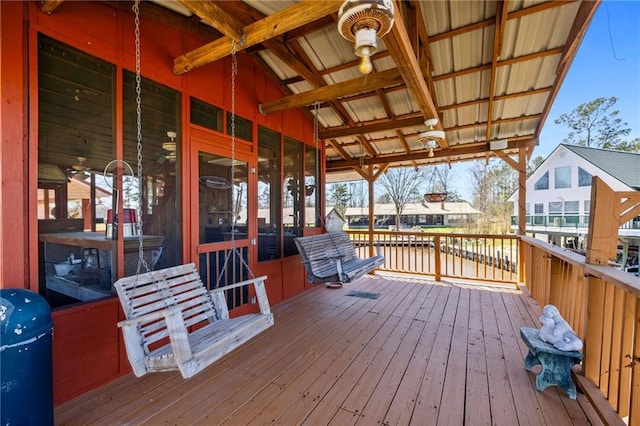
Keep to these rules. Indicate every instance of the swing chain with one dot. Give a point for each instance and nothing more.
(233, 250)
(141, 260)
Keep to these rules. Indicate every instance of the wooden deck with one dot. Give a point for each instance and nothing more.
(422, 353)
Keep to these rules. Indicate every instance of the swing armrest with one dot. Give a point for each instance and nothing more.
(261, 294)
(238, 284)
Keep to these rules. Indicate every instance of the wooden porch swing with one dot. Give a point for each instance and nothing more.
(332, 257)
(165, 309)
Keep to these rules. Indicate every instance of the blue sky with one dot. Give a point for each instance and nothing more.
(607, 64)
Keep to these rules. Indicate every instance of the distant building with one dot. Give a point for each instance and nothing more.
(559, 193)
(414, 214)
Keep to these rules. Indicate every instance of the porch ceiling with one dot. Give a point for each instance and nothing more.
(488, 70)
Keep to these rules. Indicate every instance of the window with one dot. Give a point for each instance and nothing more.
(555, 207)
(206, 115)
(543, 182)
(587, 207)
(243, 127)
(76, 139)
(571, 207)
(311, 189)
(563, 177)
(538, 208)
(269, 194)
(161, 153)
(584, 178)
(223, 205)
(292, 193)
(527, 208)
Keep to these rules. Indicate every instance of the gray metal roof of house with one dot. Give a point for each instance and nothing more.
(624, 166)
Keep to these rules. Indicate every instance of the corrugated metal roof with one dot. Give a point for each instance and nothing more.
(624, 166)
(473, 88)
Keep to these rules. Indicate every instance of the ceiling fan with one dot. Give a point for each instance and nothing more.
(79, 168)
(170, 146)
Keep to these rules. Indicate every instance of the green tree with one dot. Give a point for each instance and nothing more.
(402, 185)
(339, 197)
(493, 183)
(534, 164)
(630, 146)
(593, 124)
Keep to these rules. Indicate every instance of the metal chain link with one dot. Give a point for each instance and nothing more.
(233, 250)
(141, 260)
(316, 138)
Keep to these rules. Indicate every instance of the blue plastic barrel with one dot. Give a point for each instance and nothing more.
(26, 366)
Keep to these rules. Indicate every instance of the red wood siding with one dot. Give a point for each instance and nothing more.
(85, 348)
(13, 193)
(88, 349)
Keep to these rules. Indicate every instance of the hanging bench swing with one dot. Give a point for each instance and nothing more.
(332, 257)
(173, 322)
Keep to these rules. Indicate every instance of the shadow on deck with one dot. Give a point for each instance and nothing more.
(423, 352)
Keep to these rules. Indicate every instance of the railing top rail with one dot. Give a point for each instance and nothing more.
(624, 280)
(433, 234)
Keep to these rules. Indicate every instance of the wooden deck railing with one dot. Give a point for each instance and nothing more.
(482, 257)
(602, 304)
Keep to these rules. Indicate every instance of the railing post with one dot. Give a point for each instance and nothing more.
(437, 258)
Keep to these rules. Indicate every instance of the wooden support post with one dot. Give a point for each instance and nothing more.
(438, 266)
(522, 209)
(611, 210)
(371, 214)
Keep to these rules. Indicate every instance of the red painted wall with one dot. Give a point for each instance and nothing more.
(13, 132)
(88, 349)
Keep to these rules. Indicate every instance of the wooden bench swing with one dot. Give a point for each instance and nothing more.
(173, 322)
(331, 257)
(162, 307)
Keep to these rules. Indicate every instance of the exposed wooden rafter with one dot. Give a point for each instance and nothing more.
(399, 45)
(468, 150)
(357, 85)
(213, 15)
(48, 6)
(292, 17)
(498, 34)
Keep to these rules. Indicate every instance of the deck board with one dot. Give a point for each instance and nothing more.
(449, 352)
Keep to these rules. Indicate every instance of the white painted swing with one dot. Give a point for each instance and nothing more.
(173, 322)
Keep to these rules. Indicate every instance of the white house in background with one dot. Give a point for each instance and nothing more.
(559, 193)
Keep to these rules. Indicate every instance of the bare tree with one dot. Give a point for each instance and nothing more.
(402, 185)
(442, 180)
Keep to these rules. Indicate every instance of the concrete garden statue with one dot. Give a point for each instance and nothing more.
(556, 331)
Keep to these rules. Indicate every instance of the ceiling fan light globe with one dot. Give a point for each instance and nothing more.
(169, 146)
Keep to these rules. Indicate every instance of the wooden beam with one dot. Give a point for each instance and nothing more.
(399, 45)
(496, 98)
(440, 155)
(213, 15)
(48, 6)
(488, 22)
(409, 122)
(498, 34)
(372, 128)
(292, 17)
(361, 84)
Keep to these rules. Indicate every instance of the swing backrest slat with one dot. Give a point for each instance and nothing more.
(177, 287)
